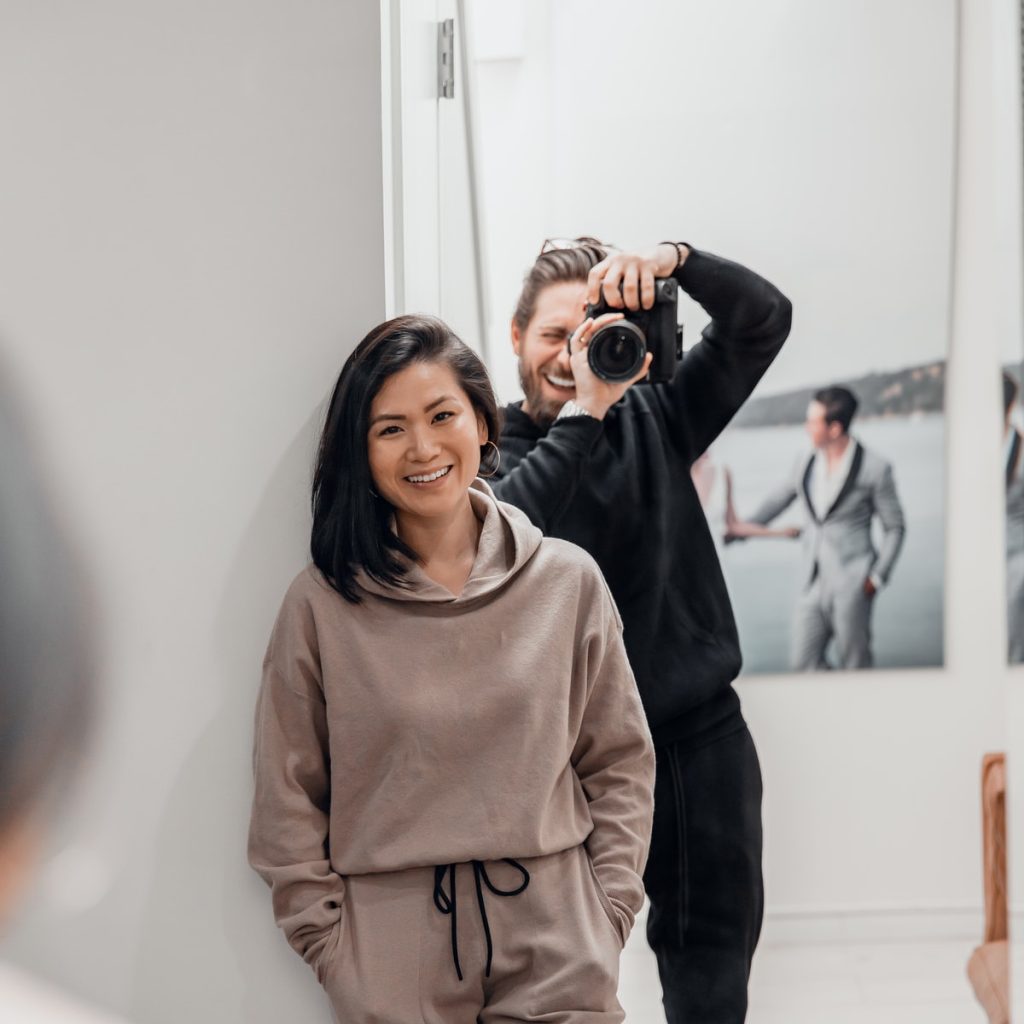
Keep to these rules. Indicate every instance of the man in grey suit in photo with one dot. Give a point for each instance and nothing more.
(844, 486)
(1013, 457)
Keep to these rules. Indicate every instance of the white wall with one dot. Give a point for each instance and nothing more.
(190, 244)
(776, 134)
(871, 808)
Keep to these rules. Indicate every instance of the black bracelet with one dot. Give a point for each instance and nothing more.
(678, 246)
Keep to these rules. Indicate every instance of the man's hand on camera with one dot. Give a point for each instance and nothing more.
(627, 278)
(597, 396)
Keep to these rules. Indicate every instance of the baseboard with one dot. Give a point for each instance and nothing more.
(873, 923)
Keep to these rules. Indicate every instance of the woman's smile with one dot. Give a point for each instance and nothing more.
(430, 480)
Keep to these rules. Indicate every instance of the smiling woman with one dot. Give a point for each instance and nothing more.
(424, 454)
(405, 729)
(411, 400)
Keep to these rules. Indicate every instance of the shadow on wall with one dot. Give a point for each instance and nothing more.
(210, 951)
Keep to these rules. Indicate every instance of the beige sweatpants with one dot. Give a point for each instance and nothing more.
(555, 946)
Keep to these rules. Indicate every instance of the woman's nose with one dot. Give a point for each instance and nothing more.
(422, 446)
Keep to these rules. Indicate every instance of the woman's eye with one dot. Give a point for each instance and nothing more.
(388, 430)
(441, 416)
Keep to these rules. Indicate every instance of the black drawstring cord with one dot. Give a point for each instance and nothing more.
(446, 902)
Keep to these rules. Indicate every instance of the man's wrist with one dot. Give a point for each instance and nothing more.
(574, 408)
(675, 257)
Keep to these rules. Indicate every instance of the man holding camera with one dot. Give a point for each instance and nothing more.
(596, 461)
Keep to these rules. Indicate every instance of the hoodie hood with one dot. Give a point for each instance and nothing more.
(508, 540)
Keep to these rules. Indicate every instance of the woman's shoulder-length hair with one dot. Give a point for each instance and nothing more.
(352, 529)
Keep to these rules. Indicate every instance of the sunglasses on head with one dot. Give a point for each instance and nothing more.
(583, 242)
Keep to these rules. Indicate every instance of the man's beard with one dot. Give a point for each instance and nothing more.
(541, 410)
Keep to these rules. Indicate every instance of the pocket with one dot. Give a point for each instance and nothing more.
(697, 631)
(329, 955)
(703, 623)
(666, 877)
(856, 544)
(602, 897)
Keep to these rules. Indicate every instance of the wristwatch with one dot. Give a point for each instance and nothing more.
(572, 408)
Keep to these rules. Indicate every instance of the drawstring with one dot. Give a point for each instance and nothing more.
(445, 902)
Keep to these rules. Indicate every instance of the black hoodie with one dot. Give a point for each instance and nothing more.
(621, 489)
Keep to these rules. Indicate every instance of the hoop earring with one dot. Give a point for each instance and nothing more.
(497, 450)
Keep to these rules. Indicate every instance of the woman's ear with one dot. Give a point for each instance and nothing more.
(481, 429)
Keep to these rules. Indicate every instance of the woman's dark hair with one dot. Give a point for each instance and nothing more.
(351, 524)
(46, 652)
(556, 266)
(840, 405)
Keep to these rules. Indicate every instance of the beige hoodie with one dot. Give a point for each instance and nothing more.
(418, 728)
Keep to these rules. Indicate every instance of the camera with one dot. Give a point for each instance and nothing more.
(616, 352)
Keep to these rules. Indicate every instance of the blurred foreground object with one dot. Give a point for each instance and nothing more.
(47, 693)
(989, 966)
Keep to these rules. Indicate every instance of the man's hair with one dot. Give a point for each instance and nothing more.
(556, 267)
(840, 405)
(46, 650)
(1010, 391)
(351, 524)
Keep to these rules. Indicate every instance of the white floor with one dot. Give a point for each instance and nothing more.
(880, 983)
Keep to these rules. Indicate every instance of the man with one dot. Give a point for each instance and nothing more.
(607, 466)
(1013, 451)
(844, 486)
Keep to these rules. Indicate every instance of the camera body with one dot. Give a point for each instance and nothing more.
(616, 352)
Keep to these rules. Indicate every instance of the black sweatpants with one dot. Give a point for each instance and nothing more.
(703, 875)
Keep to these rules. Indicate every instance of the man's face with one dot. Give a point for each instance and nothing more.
(818, 429)
(544, 370)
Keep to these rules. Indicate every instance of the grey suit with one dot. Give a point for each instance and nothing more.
(1015, 551)
(838, 556)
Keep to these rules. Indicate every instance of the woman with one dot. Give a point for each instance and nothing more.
(453, 771)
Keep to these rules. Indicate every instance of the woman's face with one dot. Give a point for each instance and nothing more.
(424, 441)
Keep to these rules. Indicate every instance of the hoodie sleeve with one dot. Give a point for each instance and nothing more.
(614, 760)
(288, 830)
(544, 482)
(750, 320)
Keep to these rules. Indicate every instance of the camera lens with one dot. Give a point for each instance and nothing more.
(616, 352)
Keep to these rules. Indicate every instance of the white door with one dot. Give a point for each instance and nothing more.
(434, 249)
